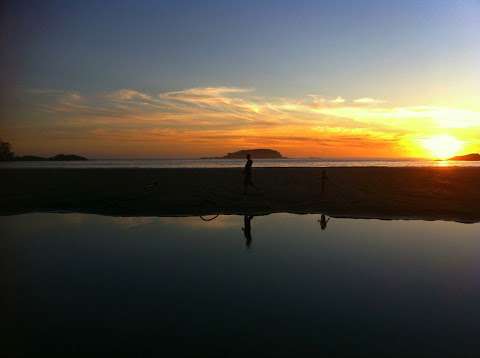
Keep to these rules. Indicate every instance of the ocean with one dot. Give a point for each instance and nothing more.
(234, 163)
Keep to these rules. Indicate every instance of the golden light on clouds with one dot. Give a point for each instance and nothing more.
(214, 120)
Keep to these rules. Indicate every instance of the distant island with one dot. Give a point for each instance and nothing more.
(8, 155)
(255, 153)
(58, 157)
(468, 157)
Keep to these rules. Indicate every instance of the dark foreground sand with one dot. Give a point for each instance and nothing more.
(446, 193)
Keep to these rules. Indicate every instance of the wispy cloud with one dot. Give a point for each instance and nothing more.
(213, 119)
(368, 100)
(128, 95)
(205, 92)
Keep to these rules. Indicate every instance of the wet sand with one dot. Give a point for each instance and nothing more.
(443, 193)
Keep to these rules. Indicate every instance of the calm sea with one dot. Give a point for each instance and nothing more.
(280, 285)
(225, 163)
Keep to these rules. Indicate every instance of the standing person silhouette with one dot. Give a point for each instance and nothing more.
(324, 180)
(247, 172)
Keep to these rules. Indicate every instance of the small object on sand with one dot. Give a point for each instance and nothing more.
(152, 185)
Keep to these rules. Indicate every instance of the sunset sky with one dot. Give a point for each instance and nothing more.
(141, 79)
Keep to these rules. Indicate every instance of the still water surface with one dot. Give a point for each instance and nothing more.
(276, 285)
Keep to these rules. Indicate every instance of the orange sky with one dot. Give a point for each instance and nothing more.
(215, 120)
(316, 78)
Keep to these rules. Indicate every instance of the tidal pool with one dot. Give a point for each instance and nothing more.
(276, 285)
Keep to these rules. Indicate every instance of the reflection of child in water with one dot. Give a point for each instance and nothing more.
(323, 222)
(247, 230)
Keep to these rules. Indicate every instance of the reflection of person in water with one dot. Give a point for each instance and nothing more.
(247, 230)
(323, 221)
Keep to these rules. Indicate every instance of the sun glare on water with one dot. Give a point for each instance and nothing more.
(442, 146)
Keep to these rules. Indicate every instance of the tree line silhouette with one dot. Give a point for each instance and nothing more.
(6, 152)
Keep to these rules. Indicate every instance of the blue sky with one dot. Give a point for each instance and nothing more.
(404, 52)
(278, 47)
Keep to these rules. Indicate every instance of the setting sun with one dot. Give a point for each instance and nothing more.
(442, 146)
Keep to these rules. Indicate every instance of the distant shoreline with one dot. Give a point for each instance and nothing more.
(55, 158)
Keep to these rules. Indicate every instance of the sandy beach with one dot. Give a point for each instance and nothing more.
(444, 193)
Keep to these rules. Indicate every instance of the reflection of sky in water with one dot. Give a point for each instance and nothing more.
(93, 283)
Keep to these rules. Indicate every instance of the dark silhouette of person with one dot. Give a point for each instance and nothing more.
(324, 180)
(247, 172)
(323, 221)
(247, 230)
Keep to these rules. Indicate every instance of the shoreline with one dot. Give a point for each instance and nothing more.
(390, 193)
